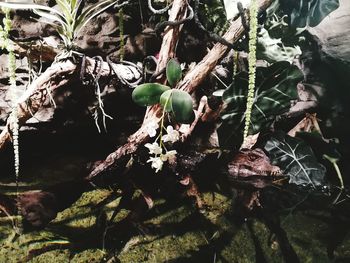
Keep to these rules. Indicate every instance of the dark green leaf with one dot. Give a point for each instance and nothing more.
(148, 93)
(308, 12)
(173, 72)
(275, 90)
(297, 160)
(182, 106)
(165, 99)
(273, 49)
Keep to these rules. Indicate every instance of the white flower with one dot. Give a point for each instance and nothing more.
(169, 156)
(151, 128)
(157, 163)
(172, 136)
(184, 128)
(154, 148)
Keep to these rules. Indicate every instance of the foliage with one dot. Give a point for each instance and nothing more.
(304, 13)
(70, 20)
(213, 17)
(173, 72)
(273, 49)
(148, 94)
(177, 102)
(275, 90)
(297, 160)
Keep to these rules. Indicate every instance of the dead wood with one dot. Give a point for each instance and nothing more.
(57, 75)
(189, 83)
(36, 51)
(171, 37)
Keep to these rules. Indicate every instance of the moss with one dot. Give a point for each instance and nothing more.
(175, 231)
(305, 234)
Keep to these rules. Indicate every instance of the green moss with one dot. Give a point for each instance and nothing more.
(175, 231)
(307, 235)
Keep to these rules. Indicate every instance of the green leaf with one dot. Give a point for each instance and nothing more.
(182, 106)
(273, 49)
(275, 90)
(297, 160)
(304, 13)
(92, 11)
(173, 72)
(165, 99)
(148, 93)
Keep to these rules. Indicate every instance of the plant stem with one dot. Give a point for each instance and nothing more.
(336, 167)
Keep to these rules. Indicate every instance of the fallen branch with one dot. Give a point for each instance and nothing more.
(167, 51)
(171, 37)
(189, 84)
(54, 77)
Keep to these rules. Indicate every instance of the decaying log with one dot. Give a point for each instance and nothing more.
(36, 51)
(189, 84)
(60, 73)
(57, 75)
(168, 47)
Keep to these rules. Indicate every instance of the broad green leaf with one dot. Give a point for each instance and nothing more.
(273, 49)
(148, 93)
(173, 72)
(165, 99)
(296, 159)
(182, 106)
(275, 90)
(304, 13)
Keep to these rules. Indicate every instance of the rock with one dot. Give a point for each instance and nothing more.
(333, 35)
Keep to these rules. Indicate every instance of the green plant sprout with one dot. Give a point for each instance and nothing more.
(177, 103)
(67, 20)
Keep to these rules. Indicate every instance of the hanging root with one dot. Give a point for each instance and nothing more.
(162, 25)
(160, 11)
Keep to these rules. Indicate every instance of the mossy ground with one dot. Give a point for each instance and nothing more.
(172, 231)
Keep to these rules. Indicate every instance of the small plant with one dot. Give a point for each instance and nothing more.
(177, 103)
(67, 20)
